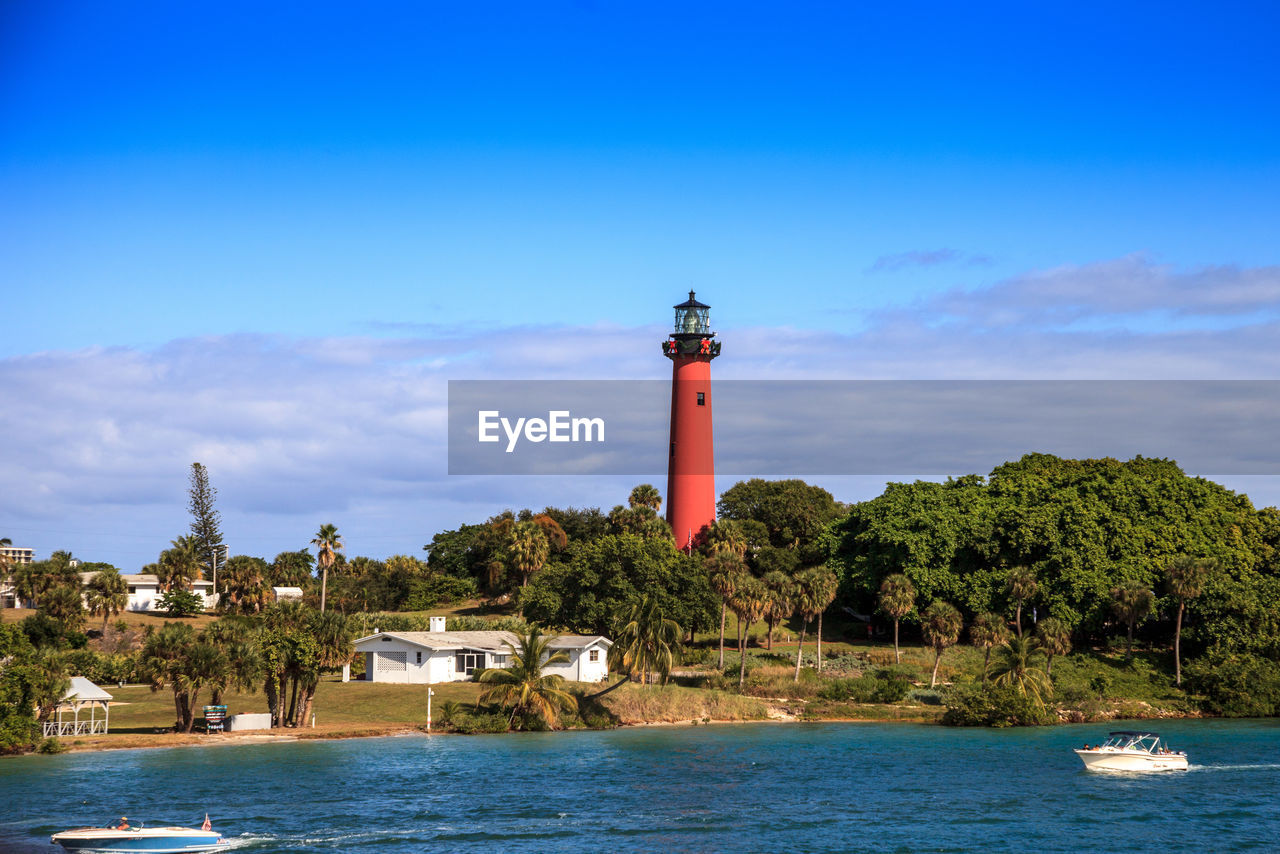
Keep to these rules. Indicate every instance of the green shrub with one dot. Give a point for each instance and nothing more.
(480, 722)
(180, 603)
(44, 631)
(448, 711)
(696, 655)
(925, 696)
(425, 593)
(993, 705)
(364, 624)
(51, 745)
(882, 686)
(1236, 685)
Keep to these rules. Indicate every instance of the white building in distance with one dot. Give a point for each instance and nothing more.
(427, 658)
(144, 591)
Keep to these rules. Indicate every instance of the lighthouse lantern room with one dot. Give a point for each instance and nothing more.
(691, 488)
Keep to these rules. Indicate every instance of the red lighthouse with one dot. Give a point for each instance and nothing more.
(691, 479)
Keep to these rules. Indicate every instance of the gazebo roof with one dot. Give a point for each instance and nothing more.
(83, 689)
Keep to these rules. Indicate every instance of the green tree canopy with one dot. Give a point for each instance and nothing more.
(599, 582)
(1083, 526)
(794, 514)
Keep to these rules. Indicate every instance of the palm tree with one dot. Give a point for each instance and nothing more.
(203, 665)
(179, 565)
(1186, 580)
(235, 636)
(808, 603)
(108, 595)
(897, 598)
(33, 581)
(291, 569)
(523, 687)
(779, 603)
(1018, 665)
(727, 536)
(646, 495)
(987, 631)
(333, 648)
(328, 544)
(748, 604)
(529, 550)
(941, 626)
(1132, 601)
(244, 585)
(826, 585)
(1021, 585)
(1054, 637)
(65, 603)
(161, 660)
(648, 642)
(724, 570)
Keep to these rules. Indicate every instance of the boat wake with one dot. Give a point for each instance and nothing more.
(1269, 766)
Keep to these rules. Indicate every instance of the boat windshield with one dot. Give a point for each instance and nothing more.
(1147, 742)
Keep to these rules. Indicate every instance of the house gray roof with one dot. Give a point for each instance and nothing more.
(147, 578)
(141, 579)
(488, 641)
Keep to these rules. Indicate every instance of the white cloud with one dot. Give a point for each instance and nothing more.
(296, 432)
(1116, 289)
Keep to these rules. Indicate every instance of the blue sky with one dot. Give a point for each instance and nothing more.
(215, 218)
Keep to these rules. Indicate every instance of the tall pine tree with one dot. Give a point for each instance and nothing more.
(206, 521)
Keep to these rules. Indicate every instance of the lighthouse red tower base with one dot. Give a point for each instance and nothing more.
(691, 480)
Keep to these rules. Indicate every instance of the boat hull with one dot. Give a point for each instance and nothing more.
(1131, 760)
(157, 840)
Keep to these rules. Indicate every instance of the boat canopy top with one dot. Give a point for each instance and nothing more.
(1133, 733)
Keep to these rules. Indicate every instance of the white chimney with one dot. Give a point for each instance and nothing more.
(437, 624)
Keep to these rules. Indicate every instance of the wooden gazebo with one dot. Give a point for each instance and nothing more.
(83, 696)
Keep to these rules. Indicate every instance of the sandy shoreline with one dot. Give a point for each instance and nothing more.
(333, 733)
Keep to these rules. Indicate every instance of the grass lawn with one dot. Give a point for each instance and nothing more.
(135, 619)
(141, 717)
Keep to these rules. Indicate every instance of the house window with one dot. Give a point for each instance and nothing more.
(391, 662)
(467, 662)
(702, 399)
(419, 658)
(132, 589)
(594, 656)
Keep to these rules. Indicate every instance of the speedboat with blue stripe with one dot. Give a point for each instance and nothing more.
(137, 837)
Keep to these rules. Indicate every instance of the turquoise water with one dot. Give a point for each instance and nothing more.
(754, 787)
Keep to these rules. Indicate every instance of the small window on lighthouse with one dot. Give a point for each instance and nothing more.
(702, 399)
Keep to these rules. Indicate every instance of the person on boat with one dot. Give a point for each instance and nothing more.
(124, 823)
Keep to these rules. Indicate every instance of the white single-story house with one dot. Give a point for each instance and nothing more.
(144, 590)
(426, 658)
(287, 594)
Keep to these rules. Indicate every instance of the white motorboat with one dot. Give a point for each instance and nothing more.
(1132, 751)
(126, 837)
